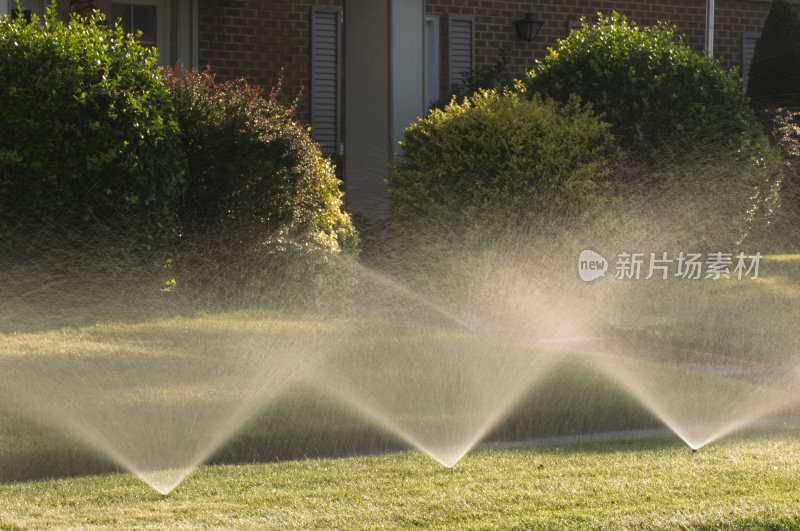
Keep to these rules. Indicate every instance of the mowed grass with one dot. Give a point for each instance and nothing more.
(754, 320)
(749, 482)
(746, 482)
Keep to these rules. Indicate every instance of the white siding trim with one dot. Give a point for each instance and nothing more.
(183, 33)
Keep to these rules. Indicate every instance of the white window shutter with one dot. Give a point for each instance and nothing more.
(326, 76)
(749, 40)
(461, 48)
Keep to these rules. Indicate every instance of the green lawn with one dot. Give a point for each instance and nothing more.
(237, 388)
(749, 482)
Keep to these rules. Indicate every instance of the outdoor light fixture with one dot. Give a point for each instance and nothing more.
(528, 27)
(84, 8)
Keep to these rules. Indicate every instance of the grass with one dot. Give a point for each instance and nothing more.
(574, 398)
(753, 320)
(745, 483)
(739, 483)
(299, 423)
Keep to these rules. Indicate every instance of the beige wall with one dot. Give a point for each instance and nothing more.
(383, 94)
(367, 105)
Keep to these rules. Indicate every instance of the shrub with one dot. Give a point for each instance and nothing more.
(783, 126)
(681, 116)
(251, 165)
(775, 69)
(708, 199)
(88, 145)
(647, 83)
(256, 184)
(498, 160)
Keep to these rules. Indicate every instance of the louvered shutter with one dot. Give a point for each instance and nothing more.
(461, 46)
(749, 40)
(326, 71)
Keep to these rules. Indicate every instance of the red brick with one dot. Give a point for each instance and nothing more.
(275, 33)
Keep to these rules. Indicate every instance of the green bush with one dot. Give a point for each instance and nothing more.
(682, 119)
(708, 199)
(499, 160)
(88, 144)
(775, 69)
(260, 199)
(251, 165)
(783, 127)
(647, 83)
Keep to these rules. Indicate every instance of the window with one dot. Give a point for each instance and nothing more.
(148, 16)
(137, 17)
(29, 8)
(461, 48)
(431, 60)
(326, 77)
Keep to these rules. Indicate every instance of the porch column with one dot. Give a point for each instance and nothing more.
(383, 93)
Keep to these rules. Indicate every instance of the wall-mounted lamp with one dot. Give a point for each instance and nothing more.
(84, 8)
(528, 27)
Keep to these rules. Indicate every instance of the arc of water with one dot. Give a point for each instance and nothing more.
(694, 434)
(91, 415)
(446, 454)
(410, 294)
(267, 385)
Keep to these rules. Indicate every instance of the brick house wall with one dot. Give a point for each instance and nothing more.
(256, 38)
(494, 25)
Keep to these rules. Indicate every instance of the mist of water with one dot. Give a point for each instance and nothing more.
(157, 399)
(439, 392)
(699, 404)
(438, 348)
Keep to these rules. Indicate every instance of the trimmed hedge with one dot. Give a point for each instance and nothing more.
(88, 145)
(647, 83)
(499, 160)
(775, 69)
(681, 117)
(251, 166)
(262, 206)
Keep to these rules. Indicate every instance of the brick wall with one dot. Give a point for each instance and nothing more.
(731, 19)
(256, 38)
(494, 25)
